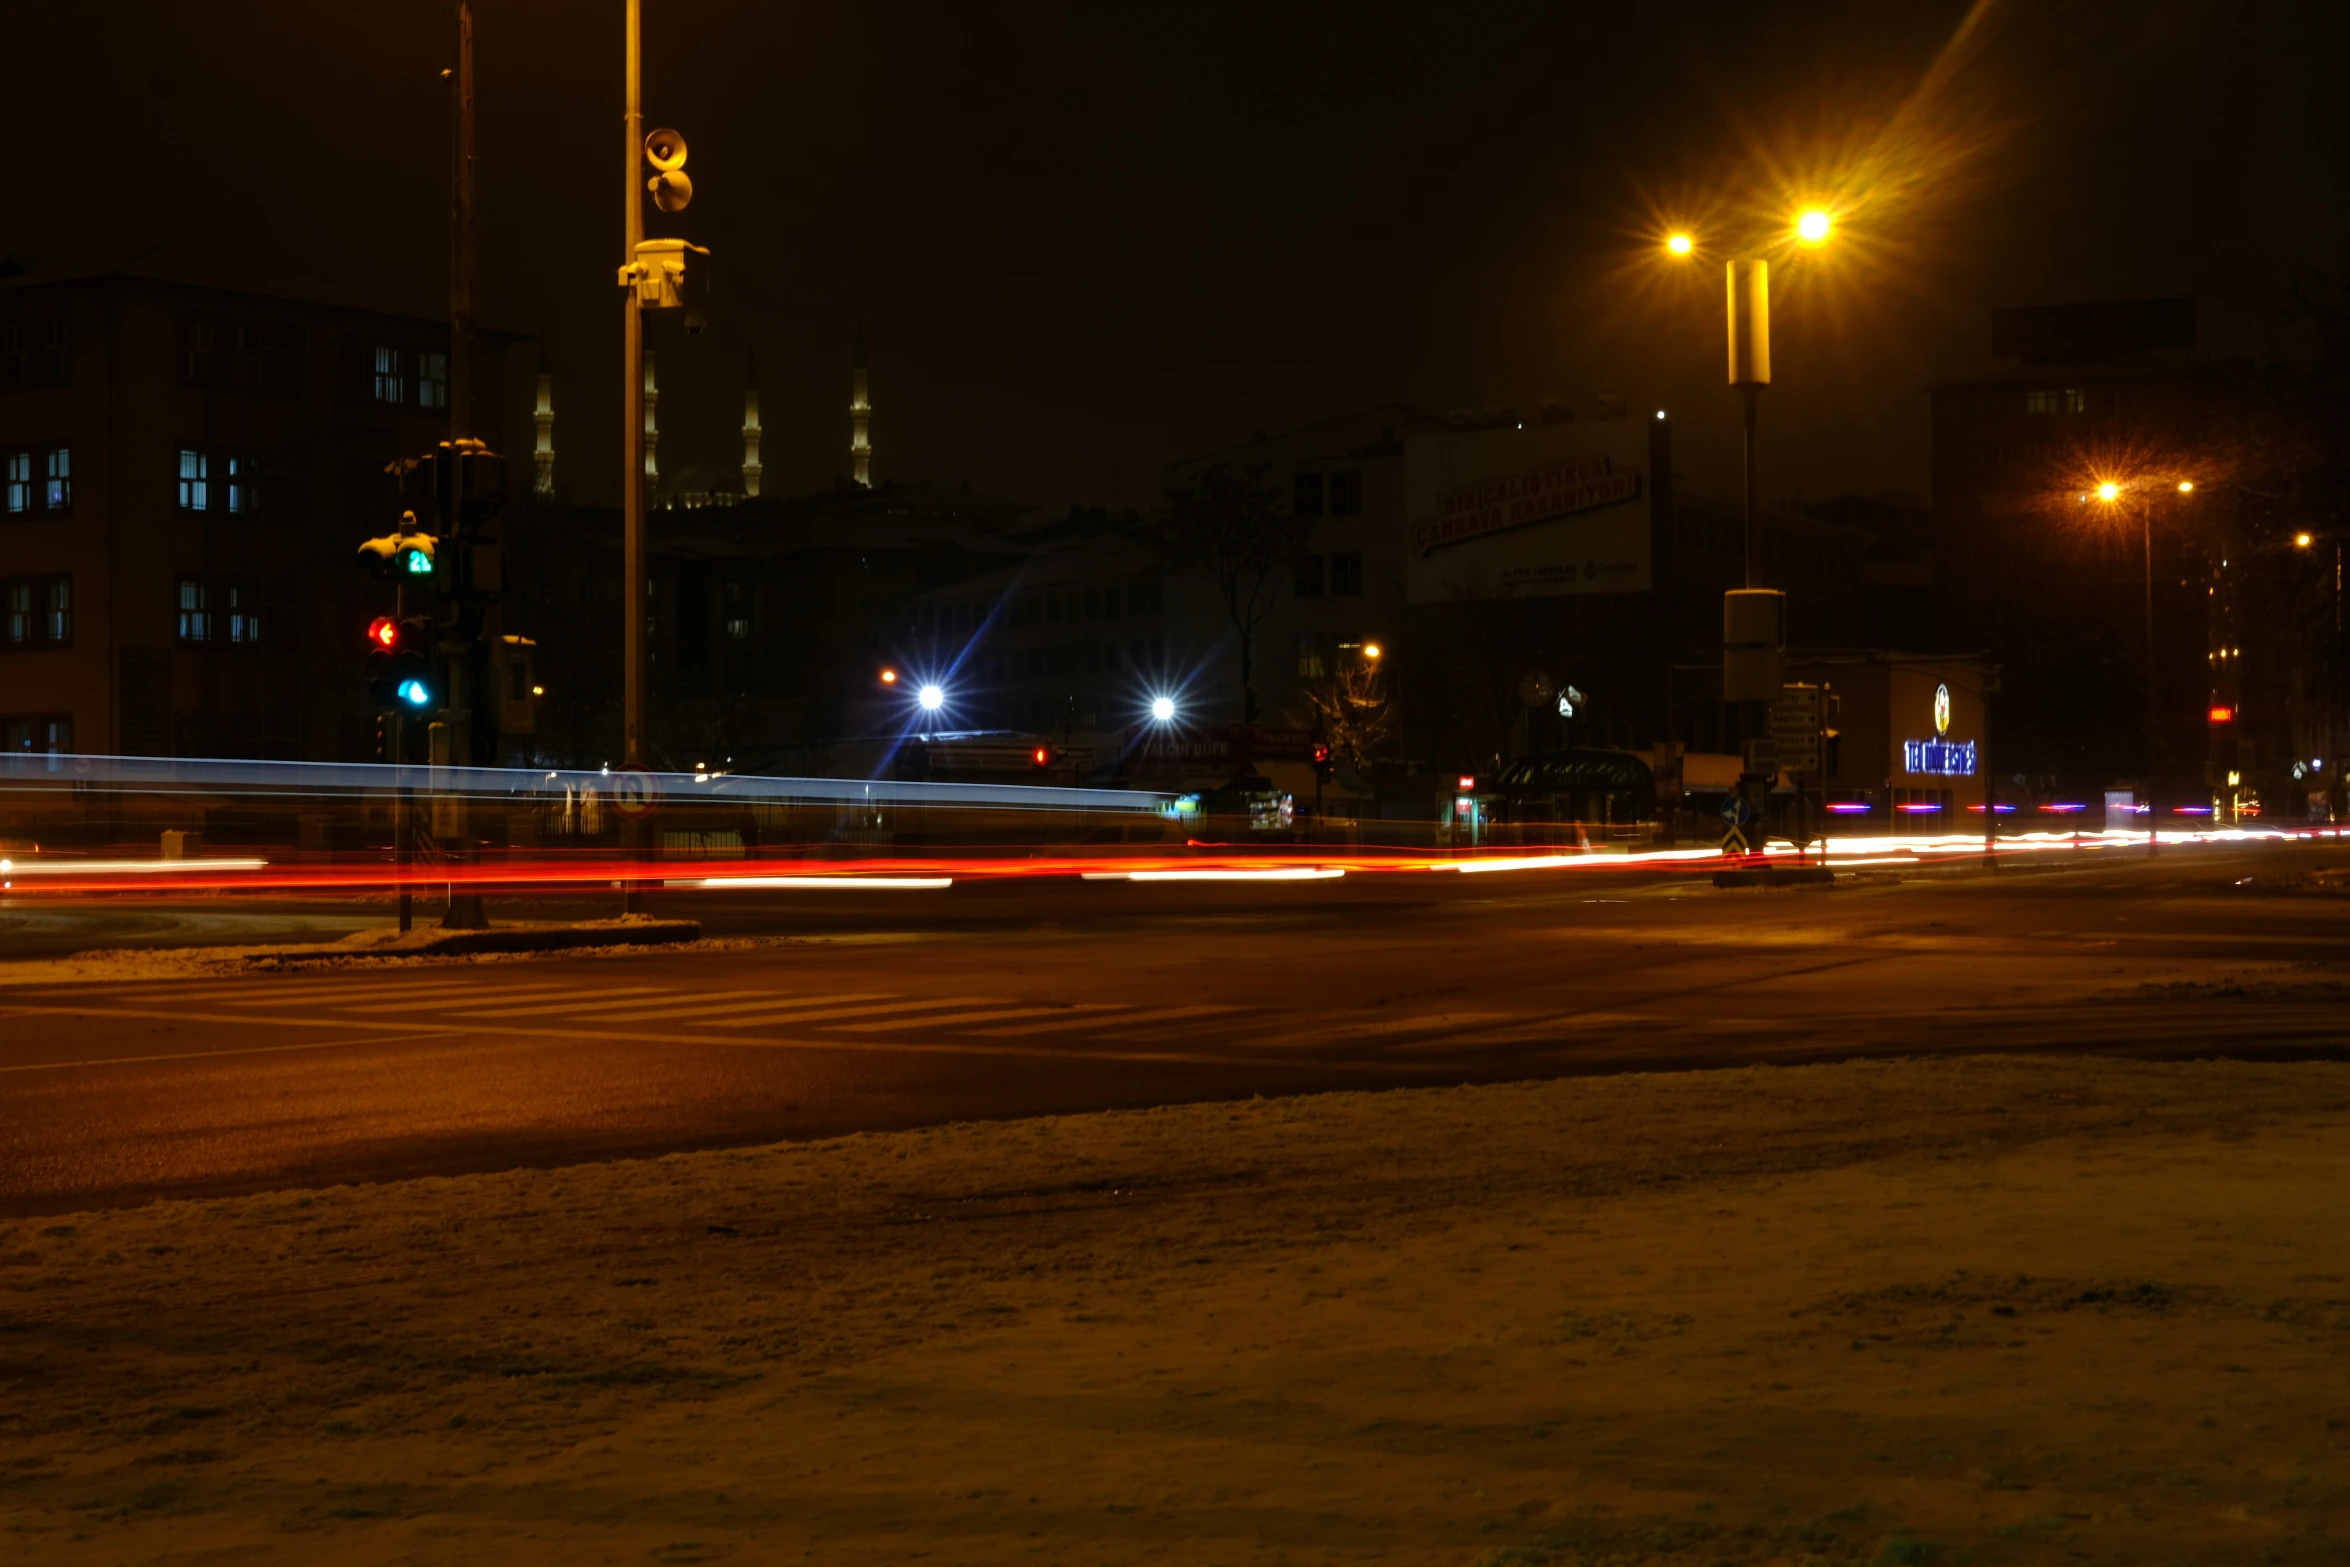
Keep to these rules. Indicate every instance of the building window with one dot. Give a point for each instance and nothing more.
(195, 351)
(195, 492)
(39, 481)
(1346, 574)
(432, 381)
(1306, 494)
(244, 614)
(390, 386)
(37, 734)
(35, 350)
(1309, 576)
(244, 486)
(1312, 661)
(1346, 493)
(195, 623)
(36, 612)
(2056, 400)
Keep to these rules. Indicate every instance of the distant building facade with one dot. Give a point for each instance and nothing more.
(188, 474)
(2039, 568)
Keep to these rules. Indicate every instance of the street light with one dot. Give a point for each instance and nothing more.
(1163, 709)
(2110, 492)
(931, 698)
(2301, 541)
(1812, 228)
(1372, 651)
(1680, 244)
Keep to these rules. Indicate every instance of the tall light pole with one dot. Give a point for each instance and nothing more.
(632, 436)
(2110, 493)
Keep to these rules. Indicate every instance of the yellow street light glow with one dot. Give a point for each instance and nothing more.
(1813, 226)
(1371, 651)
(2301, 540)
(2109, 491)
(1680, 244)
(2186, 486)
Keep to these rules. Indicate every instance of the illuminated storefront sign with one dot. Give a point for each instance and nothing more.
(1939, 757)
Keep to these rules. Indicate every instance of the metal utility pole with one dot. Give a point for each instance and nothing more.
(632, 442)
(461, 235)
(1750, 365)
(2153, 817)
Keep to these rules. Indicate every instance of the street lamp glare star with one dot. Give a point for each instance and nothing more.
(932, 699)
(1680, 244)
(1163, 709)
(2109, 491)
(1812, 228)
(2186, 486)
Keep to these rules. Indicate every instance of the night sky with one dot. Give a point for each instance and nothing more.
(1088, 240)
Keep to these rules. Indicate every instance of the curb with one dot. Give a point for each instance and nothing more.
(1777, 876)
(506, 938)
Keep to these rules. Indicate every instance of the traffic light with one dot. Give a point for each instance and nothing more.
(399, 665)
(1041, 758)
(1322, 766)
(402, 557)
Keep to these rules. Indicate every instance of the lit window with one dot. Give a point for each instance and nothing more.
(20, 483)
(195, 611)
(2056, 400)
(195, 479)
(1311, 664)
(59, 480)
(244, 615)
(432, 381)
(57, 610)
(242, 496)
(389, 386)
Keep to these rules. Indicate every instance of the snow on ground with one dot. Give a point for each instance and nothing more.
(1994, 1310)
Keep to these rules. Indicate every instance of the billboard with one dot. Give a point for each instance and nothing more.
(1532, 513)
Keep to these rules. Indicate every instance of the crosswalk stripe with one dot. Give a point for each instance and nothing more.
(1155, 1015)
(796, 1015)
(992, 1015)
(1426, 1022)
(379, 992)
(568, 1000)
(534, 995)
(768, 1000)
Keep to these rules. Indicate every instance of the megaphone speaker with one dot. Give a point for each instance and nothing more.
(672, 189)
(665, 150)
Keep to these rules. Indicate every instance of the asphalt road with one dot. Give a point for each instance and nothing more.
(836, 1012)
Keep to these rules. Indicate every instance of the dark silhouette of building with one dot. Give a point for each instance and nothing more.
(188, 474)
(2048, 570)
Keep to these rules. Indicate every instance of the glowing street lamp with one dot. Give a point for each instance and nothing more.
(1163, 709)
(1372, 651)
(1813, 226)
(931, 698)
(2301, 541)
(1680, 244)
(889, 677)
(2109, 491)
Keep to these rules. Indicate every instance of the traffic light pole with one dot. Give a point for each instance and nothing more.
(453, 735)
(632, 438)
(632, 447)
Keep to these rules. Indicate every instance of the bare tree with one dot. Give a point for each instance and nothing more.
(1351, 710)
(1236, 533)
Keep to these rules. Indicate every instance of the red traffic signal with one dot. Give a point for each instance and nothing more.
(2221, 713)
(1042, 756)
(1321, 755)
(399, 664)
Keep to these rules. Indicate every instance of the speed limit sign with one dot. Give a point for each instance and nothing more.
(636, 789)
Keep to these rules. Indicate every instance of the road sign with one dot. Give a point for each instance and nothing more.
(636, 789)
(1736, 811)
(1734, 842)
(1795, 729)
